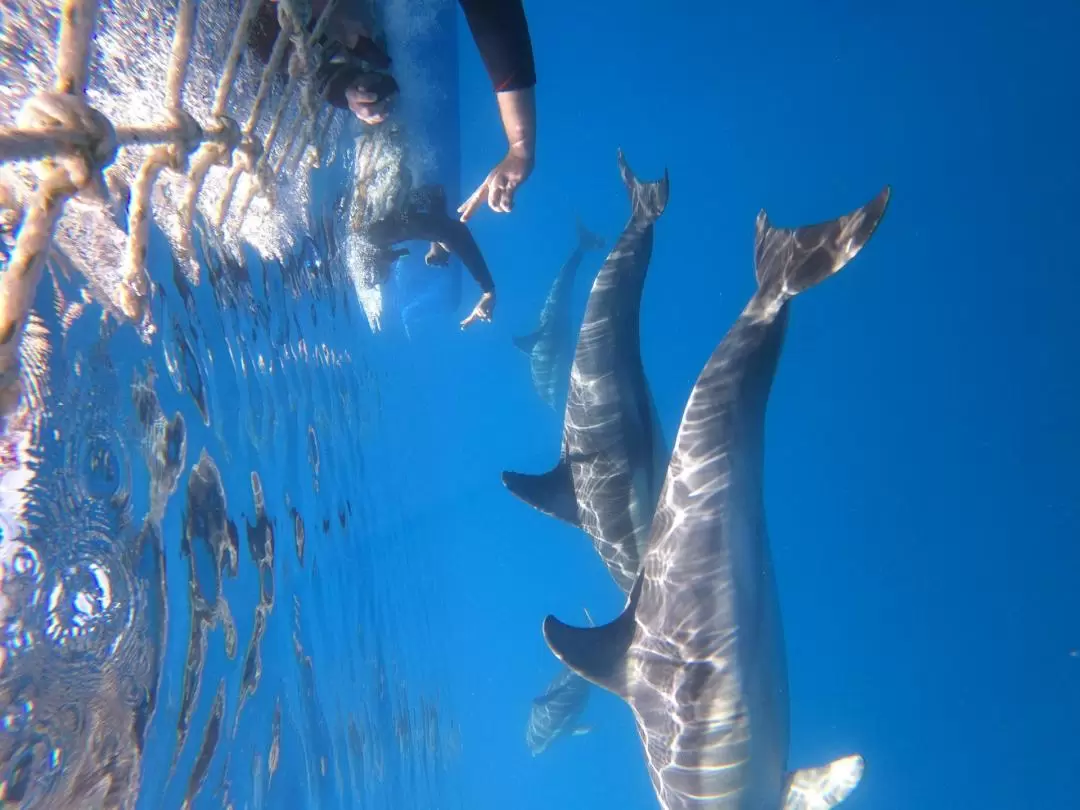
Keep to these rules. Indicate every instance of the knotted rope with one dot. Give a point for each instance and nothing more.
(75, 144)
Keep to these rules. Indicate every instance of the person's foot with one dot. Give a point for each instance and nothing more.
(438, 255)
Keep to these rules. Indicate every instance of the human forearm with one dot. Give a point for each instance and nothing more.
(517, 109)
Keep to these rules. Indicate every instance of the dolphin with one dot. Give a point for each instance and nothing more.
(698, 651)
(613, 454)
(425, 217)
(549, 347)
(557, 711)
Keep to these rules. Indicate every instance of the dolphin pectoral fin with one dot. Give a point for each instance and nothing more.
(597, 654)
(527, 342)
(580, 731)
(825, 786)
(587, 240)
(551, 493)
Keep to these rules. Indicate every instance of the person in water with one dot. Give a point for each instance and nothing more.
(425, 218)
(354, 75)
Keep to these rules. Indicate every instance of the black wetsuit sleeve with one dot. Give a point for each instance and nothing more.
(469, 252)
(482, 276)
(502, 37)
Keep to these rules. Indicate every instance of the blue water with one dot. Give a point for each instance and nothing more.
(920, 485)
(921, 434)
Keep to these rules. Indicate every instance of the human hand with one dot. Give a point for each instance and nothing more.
(499, 186)
(366, 105)
(482, 311)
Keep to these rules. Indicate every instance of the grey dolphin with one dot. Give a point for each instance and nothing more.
(613, 455)
(557, 711)
(698, 652)
(549, 347)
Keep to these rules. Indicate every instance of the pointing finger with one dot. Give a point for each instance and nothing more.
(468, 208)
(469, 200)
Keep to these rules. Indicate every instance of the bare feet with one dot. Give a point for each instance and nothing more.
(438, 255)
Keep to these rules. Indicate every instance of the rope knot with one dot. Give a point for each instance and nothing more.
(95, 145)
(294, 12)
(301, 63)
(189, 139)
(248, 153)
(228, 130)
(266, 183)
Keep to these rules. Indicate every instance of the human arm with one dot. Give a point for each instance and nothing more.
(502, 37)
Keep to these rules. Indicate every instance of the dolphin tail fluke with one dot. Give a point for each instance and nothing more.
(823, 787)
(587, 240)
(597, 654)
(648, 199)
(551, 493)
(790, 261)
(527, 342)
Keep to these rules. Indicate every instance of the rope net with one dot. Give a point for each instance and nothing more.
(68, 148)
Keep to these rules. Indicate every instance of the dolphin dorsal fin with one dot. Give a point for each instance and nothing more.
(598, 654)
(526, 342)
(823, 787)
(551, 493)
(543, 700)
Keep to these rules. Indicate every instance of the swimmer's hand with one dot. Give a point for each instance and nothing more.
(499, 186)
(366, 105)
(482, 311)
(517, 109)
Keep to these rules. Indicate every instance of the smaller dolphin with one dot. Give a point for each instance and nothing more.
(612, 457)
(556, 712)
(550, 347)
(425, 218)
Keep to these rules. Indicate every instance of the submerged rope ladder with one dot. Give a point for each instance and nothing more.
(73, 144)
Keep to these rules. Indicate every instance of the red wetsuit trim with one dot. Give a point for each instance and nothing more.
(501, 33)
